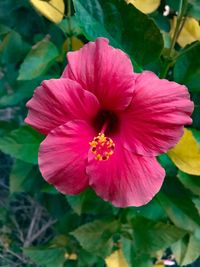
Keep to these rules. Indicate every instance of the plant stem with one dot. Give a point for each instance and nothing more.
(69, 24)
(179, 26)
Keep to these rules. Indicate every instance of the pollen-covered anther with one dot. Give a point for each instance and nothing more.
(102, 147)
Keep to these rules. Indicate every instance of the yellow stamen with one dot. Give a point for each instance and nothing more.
(102, 147)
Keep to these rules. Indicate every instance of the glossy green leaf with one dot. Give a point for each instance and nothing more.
(22, 144)
(126, 27)
(38, 60)
(187, 67)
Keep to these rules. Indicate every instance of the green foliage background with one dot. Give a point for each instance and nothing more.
(38, 225)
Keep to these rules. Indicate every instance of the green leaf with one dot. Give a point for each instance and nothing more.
(177, 203)
(186, 250)
(179, 249)
(187, 67)
(126, 27)
(151, 210)
(70, 26)
(194, 9)
(168, 165)
(196, 201)
(133, 258)
(12, 48)
(48, 257)
(193, 249)
(4, 29)
(95, 237)
(6, 127)
(173, 4)
(22, 144)
(196, 113)
(18, 174)
(191, 182)
(151, 236)
(196, 134)
(23, 90)
(39, 59)
(89, 259)
(147, 238)
(88, 202)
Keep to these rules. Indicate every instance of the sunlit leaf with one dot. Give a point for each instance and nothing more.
(116, 259)
(189, 33)
(192, 252)
(38, 60)
(186, 154)
(146, 6)
(186, 250)
(179, 249)
(51, 9)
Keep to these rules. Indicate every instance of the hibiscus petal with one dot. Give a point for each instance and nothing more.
(125, 179)
(57, 101)
(153, 123)
(63, 156)
(105, 71)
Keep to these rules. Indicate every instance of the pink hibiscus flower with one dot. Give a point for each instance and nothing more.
(105, 125)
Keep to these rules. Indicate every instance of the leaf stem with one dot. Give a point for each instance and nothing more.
(70, 48)
(179, 26)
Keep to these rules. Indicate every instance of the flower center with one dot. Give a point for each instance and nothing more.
(101, 146)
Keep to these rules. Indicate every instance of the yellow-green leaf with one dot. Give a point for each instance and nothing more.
(146, 6)
(116, 259)
(186, 154)
(189, 33)
(51, 9)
